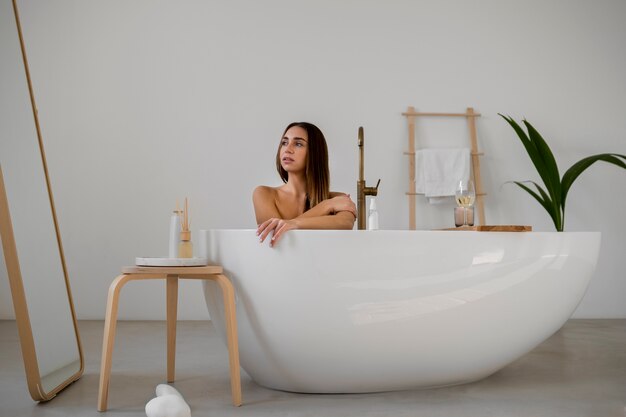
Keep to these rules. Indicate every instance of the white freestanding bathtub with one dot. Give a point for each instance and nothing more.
(362, 311)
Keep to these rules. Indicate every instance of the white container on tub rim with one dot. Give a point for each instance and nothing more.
(175, 228)
(372, 219)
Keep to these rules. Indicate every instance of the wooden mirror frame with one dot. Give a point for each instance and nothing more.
(22, 317)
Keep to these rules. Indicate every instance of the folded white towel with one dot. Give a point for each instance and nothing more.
(439, 170)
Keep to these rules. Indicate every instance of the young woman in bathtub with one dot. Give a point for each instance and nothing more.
(305, 200)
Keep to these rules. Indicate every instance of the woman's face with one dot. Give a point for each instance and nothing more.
(293, 149)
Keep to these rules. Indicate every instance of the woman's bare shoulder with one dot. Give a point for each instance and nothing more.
(265, 203)
(265, 189)
(264, 192)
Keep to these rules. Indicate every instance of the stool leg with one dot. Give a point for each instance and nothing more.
(108, 341)
(231, 334)
(172, 307)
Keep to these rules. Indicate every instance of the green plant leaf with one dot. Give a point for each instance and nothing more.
(530, 148)
(544, 200)
(575, 170)
(551, 176)
(535, 156)
(553, 200)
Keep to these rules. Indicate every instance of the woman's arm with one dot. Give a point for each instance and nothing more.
(344, 220)
(265, 208)
(336, 203)
(337, 212)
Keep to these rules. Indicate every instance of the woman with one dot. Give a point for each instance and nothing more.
(304, 201)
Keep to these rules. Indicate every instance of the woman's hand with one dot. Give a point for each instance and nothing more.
(342, 203)
(277, 227)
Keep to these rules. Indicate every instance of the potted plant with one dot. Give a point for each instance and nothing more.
(553, 197)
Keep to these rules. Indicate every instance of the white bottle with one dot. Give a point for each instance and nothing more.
(175, 229)
(372, 219)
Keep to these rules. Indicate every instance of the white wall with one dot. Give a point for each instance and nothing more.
(144, 102)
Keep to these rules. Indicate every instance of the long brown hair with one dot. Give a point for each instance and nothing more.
(316, 171)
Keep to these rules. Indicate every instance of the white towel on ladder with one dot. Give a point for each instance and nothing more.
(438, 172)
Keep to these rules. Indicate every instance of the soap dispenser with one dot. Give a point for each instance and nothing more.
(175, 229)
(372, 219)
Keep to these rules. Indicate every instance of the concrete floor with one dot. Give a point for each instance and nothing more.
(579, 371)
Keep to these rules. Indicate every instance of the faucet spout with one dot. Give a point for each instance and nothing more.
(362, 189)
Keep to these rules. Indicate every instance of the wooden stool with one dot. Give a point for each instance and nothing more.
(171, 274)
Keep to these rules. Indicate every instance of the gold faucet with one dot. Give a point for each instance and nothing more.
(362, 189)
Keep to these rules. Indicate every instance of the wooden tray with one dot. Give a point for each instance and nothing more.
(494, 228)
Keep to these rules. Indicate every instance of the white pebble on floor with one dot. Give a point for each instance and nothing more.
(168, 403)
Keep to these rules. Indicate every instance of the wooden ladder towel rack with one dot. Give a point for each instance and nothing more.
(471, 116)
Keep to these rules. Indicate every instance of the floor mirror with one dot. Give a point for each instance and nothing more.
(31, 242)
